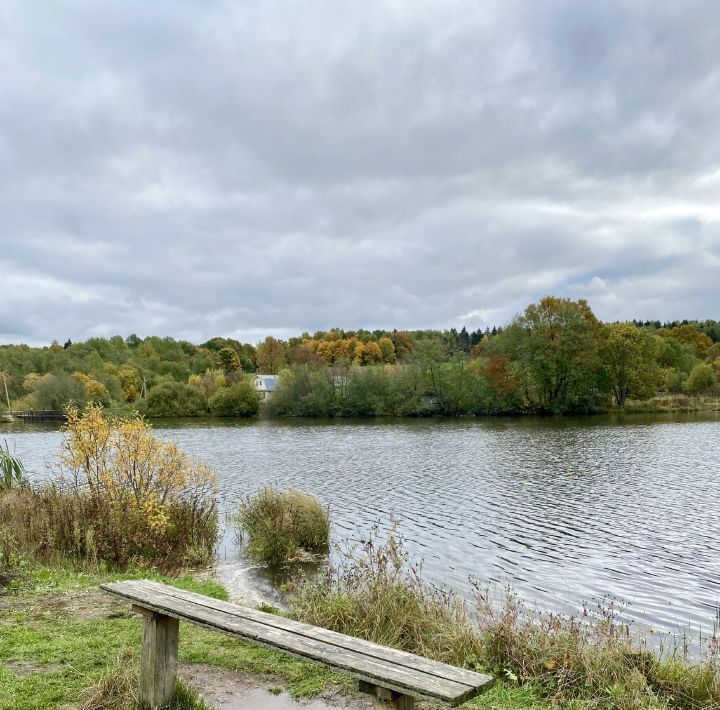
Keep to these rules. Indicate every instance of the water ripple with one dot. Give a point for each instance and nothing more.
(565, 510)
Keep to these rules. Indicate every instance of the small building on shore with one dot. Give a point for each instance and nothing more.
(265, 385)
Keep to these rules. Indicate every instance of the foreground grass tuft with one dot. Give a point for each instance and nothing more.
(118, 691)
(280, 525)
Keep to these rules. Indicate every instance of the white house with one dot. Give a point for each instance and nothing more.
(266, 385)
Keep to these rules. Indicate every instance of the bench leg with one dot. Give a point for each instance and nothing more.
(384, 699)
(158, 663)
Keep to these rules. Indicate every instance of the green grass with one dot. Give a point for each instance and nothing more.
(42, 624)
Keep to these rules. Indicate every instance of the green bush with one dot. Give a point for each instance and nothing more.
(282, 525)
(701, 380)
(57, 391)
(173, 399)
(240, 400)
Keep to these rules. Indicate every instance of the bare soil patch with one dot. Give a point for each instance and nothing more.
(228, 690)
(25, 668)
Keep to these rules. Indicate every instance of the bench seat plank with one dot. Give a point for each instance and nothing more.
(399, 671)
(403, 658)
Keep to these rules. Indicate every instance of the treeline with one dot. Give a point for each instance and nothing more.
(556, 357)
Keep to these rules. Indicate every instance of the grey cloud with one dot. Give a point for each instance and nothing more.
(201, 168)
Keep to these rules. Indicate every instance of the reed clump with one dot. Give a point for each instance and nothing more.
(283, 525)
(375, 591)
(121, 498)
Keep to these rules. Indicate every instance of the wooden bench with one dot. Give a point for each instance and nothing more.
(393, 678)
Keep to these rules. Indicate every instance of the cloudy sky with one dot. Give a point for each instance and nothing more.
(200, 167)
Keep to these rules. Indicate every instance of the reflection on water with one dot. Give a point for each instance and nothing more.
(565, 509)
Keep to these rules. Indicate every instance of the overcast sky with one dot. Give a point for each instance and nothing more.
(200, 168)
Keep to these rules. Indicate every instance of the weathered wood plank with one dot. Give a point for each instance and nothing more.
(384, 655)
(158, 663)
(394, 677)
(373, 670)
(294, 638)
(408, 660)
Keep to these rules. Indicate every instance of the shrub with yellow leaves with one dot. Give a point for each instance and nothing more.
(123, 497)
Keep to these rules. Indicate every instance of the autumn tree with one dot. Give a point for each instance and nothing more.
(554, 345)
(130, 383)
(403, 343)
(629, 355)
(387, 349)
(689, 334)
(228, 360)
(271, 356)
(95, 392)
(500, 376)
(371, 353)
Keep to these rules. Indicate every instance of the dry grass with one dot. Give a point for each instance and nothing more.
(675, 403)
(592, 661)
(118, 691)
(51, 525)
(594, 656)
(282, 525)
(376, 592)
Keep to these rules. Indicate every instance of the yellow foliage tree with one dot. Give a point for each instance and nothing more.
(120, 461)
(96, 391)
(387, 348)
(327, 350)
(129, 383)
(371, 353)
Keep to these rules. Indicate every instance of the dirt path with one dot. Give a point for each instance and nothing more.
(228, 690)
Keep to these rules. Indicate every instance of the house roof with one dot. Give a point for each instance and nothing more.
(269, 382)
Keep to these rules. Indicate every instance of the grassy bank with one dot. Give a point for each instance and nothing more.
(60, 638)
(64, 644)
(673, 403)
(589, 662)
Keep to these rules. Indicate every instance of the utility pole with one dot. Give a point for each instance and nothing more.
(7, 396)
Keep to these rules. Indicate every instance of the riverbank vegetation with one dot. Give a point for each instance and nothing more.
(375, 591)
(281, 526)
(125, 505)
(555, 357)
(120, 498)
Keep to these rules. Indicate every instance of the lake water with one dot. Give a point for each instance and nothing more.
(567, 510)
